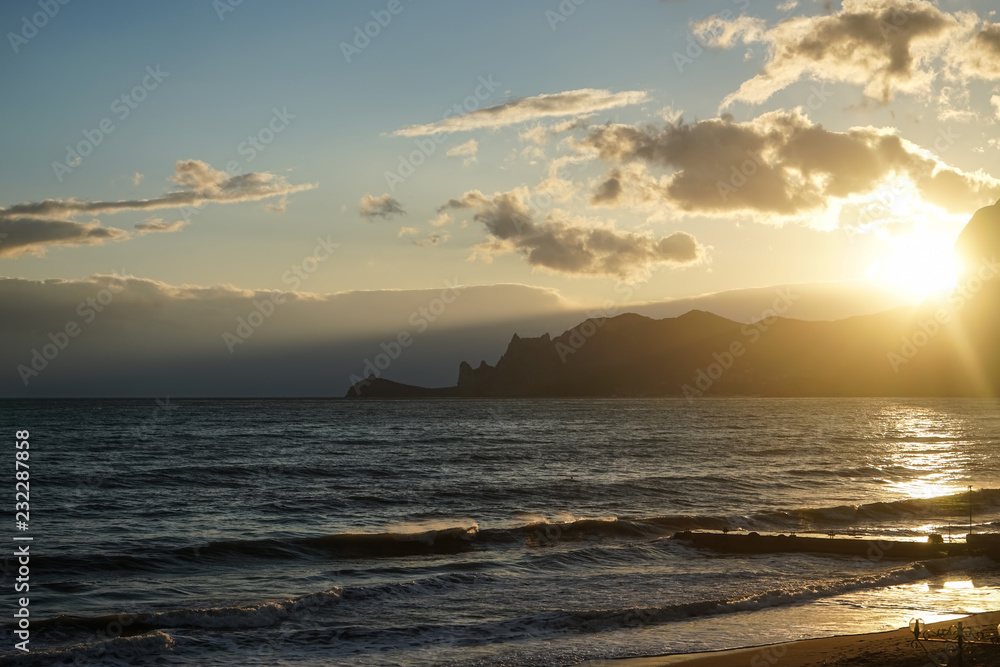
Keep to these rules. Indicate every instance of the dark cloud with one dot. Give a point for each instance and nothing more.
(609, 191)
(20, 235)
(566, 246)
(384, 207)
(779, 163)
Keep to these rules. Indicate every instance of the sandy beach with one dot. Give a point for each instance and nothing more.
(880, 649)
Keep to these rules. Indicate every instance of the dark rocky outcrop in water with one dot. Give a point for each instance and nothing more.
(947, 347)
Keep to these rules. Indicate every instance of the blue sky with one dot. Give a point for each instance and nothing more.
(228, 74)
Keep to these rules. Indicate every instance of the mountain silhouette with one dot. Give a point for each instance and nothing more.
(944, 347)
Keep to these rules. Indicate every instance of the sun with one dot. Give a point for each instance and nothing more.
(920, 265)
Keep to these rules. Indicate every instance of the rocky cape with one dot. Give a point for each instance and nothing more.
(945, 347)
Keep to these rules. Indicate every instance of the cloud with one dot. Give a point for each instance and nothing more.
(468, 150)
(33, 226)
(954, 105)
(537, 134)
(541, 134)
(407, 231)
(157, 225)
(530, 154)
(137, 178)
(779, 163)
(279, 206)
(886, 46)
(434, 239)
(980, 56)
(565, 245)
(160, 339)
(441, 220)
(559, 183)
(569, 103)
(384, 206)
(609, 191)
(22, 235)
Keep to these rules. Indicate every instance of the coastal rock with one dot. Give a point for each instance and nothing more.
(980, 240)
(941, 348)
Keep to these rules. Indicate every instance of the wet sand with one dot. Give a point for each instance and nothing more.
(880, 649)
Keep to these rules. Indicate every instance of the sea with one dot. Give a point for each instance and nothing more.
(482, 532)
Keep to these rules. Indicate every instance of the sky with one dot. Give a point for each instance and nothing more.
(558, 155)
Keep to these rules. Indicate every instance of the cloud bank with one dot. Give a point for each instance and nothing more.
(155, 339)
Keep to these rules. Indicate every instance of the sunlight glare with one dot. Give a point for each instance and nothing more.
(919, 264)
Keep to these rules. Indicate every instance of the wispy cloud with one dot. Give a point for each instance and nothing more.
(468, 151)
(157, 225)
(199, 184)
(31, 227)
(569, 103)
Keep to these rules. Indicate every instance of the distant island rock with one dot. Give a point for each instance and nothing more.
(947, 347)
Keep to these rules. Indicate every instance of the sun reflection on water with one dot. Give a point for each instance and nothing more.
(924, 454)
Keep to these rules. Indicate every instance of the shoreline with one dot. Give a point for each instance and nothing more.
(875, 649)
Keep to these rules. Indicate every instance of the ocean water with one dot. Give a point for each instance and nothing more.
(467, 532)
